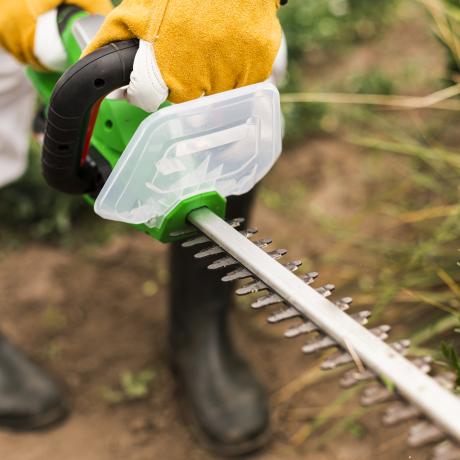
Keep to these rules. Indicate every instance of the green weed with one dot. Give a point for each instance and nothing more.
(131, 386)
(453, 361)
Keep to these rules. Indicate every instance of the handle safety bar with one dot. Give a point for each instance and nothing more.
(73, 111)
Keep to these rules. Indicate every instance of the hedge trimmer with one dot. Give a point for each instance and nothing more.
(168, 174)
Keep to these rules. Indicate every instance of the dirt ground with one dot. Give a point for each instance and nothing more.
(90, 313)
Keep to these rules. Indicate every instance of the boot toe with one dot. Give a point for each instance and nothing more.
(32, 410)
(234, 422)
(242, 432)
(29, 399)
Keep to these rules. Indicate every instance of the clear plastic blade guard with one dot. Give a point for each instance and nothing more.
(223, 143)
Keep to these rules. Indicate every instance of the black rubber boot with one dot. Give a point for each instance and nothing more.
(29, 400)
(229, 407)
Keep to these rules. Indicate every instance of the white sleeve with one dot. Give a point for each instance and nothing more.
(17, 101)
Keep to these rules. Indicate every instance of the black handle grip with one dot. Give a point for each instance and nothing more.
(72, 111)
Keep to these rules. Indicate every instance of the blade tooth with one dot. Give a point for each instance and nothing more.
(303, 328)
(263, 243)
(401, 346)
(376, 394)
(423, 363)
(362, 317)
(336, 360)
(265, 301)
(353, 376)
(293, 266)
(196, 241)
(251, 288)
(238, 274)
(326, 290)
(207, 252)
(424, 433)
(236, 222)
(446, 450)
(322, 342)
(283, 315)
(308, 278)
(447, 380)
(381, 331)
(277, 253)
(399, 412)
(223, 262)
(344, 303)
(249, 232)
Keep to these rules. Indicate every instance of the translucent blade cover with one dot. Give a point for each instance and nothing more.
(225, 143)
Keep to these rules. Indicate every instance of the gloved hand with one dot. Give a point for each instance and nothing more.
(18, 24)
(191, 48)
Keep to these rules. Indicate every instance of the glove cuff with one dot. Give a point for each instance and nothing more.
(147, 88)
(48, 47)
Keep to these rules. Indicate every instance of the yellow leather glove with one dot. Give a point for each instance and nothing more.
(191, 48)
(18, 20)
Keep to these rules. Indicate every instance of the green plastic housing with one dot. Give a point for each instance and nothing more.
(116, 123)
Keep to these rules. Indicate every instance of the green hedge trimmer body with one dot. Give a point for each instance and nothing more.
(115, 123)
